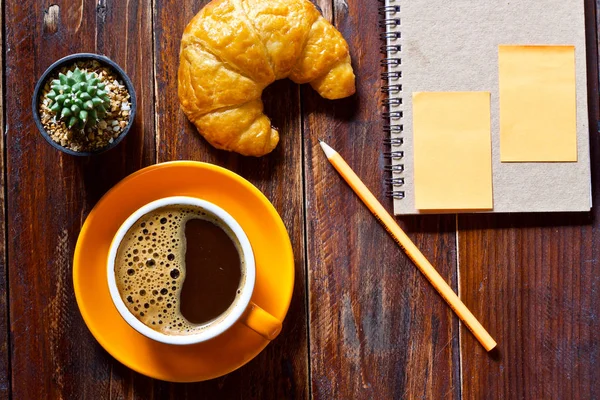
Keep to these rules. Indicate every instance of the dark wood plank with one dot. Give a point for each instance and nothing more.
(4, 328)
(53, 355)
(280, 371)
(533, 280)
(378, 329)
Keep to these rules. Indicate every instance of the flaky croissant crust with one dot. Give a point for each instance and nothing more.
(232, 49)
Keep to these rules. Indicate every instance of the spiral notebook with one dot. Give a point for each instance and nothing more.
(487, 107)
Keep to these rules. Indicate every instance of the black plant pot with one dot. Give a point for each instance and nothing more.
(70, 60)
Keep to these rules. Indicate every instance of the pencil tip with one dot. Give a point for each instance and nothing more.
(320, 140)
(329, 152)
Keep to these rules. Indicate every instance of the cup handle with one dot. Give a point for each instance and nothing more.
(261, 322)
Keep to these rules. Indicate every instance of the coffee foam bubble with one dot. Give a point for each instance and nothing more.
(150, 267)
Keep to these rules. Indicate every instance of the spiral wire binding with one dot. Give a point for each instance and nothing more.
(392, 115)
(390, 19)
(398, 168)
(391, 75)
(398, 141)
(391, 88)
(391, 48)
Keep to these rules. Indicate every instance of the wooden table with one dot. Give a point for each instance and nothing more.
(363, 323)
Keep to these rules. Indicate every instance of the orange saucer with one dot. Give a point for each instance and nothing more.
(258, 218)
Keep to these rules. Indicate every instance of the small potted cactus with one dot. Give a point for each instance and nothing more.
(84, 104)
(79, 98)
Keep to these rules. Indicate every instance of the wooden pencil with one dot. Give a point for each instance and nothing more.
(409, 247)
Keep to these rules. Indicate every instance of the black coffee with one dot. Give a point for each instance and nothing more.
(213, 272)
(177, 268)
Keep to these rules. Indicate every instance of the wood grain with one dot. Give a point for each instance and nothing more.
(53, 355)
(4, 328)
(281, 370)
(377, 328)
(534, 281)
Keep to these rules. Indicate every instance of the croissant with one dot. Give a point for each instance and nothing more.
(232, 49)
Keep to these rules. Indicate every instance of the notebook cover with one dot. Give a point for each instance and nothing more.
(453, 46)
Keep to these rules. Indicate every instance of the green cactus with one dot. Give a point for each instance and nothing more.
(78, 98)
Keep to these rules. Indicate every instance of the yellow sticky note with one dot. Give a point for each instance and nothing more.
(537, 103)
(452, 150)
